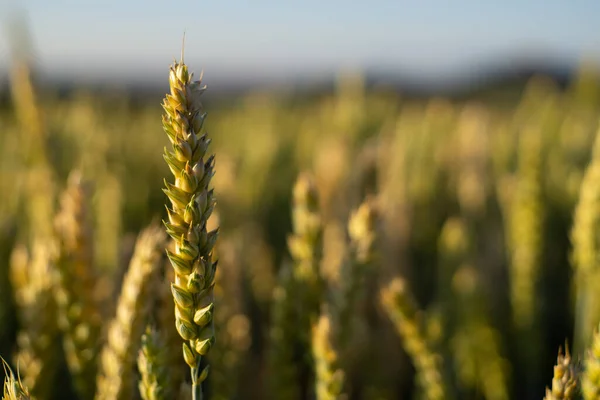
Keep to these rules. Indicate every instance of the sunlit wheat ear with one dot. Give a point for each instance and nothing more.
(525, 224)
(38, 355)
(329, 378)
(586, 250)
(590, 378)
(13, 387)
(306, 248)
(75, 283)
(565, 382)
(153, 366)
(191, 204)
(400, 306)
(362, 234)
(305, 244)
(38, 176)
(116, 378)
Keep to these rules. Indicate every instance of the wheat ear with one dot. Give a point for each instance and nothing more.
(332, 332)
(78, 314)
(283, 378)
(192, 202)
(116, 378)
(586, 250)
(402, 310)
(590, 379)
(153, 366)
(38, 354)
(565, 380)
(362, 233)
(14, 389)
(329, 377)
(306, 247)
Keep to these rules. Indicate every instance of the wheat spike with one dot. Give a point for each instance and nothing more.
(38, 354)
(283, 375)
(590, 378)
(362, 233)
(14, 389)
(153, 365)
(192, 202)
(402, 310)
(74, 285)
(565, 382)
(116, 378)
(329, 377)
(586, 250)
(305, 244)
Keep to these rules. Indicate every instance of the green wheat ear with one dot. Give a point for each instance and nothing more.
(192, 202)
(153, 366)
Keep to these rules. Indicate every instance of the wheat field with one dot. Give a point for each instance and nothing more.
(351, 245)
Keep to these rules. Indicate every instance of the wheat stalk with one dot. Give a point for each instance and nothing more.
(117, 359)
(192, 202)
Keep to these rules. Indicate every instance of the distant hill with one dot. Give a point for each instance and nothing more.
(506, 78)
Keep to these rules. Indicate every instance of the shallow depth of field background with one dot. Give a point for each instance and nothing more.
(472, 127)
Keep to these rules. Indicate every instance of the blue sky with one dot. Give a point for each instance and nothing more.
(92, 38)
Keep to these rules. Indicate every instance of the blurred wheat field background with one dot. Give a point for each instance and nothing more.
(370, 246)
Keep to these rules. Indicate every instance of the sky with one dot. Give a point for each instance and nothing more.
(267, 38)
